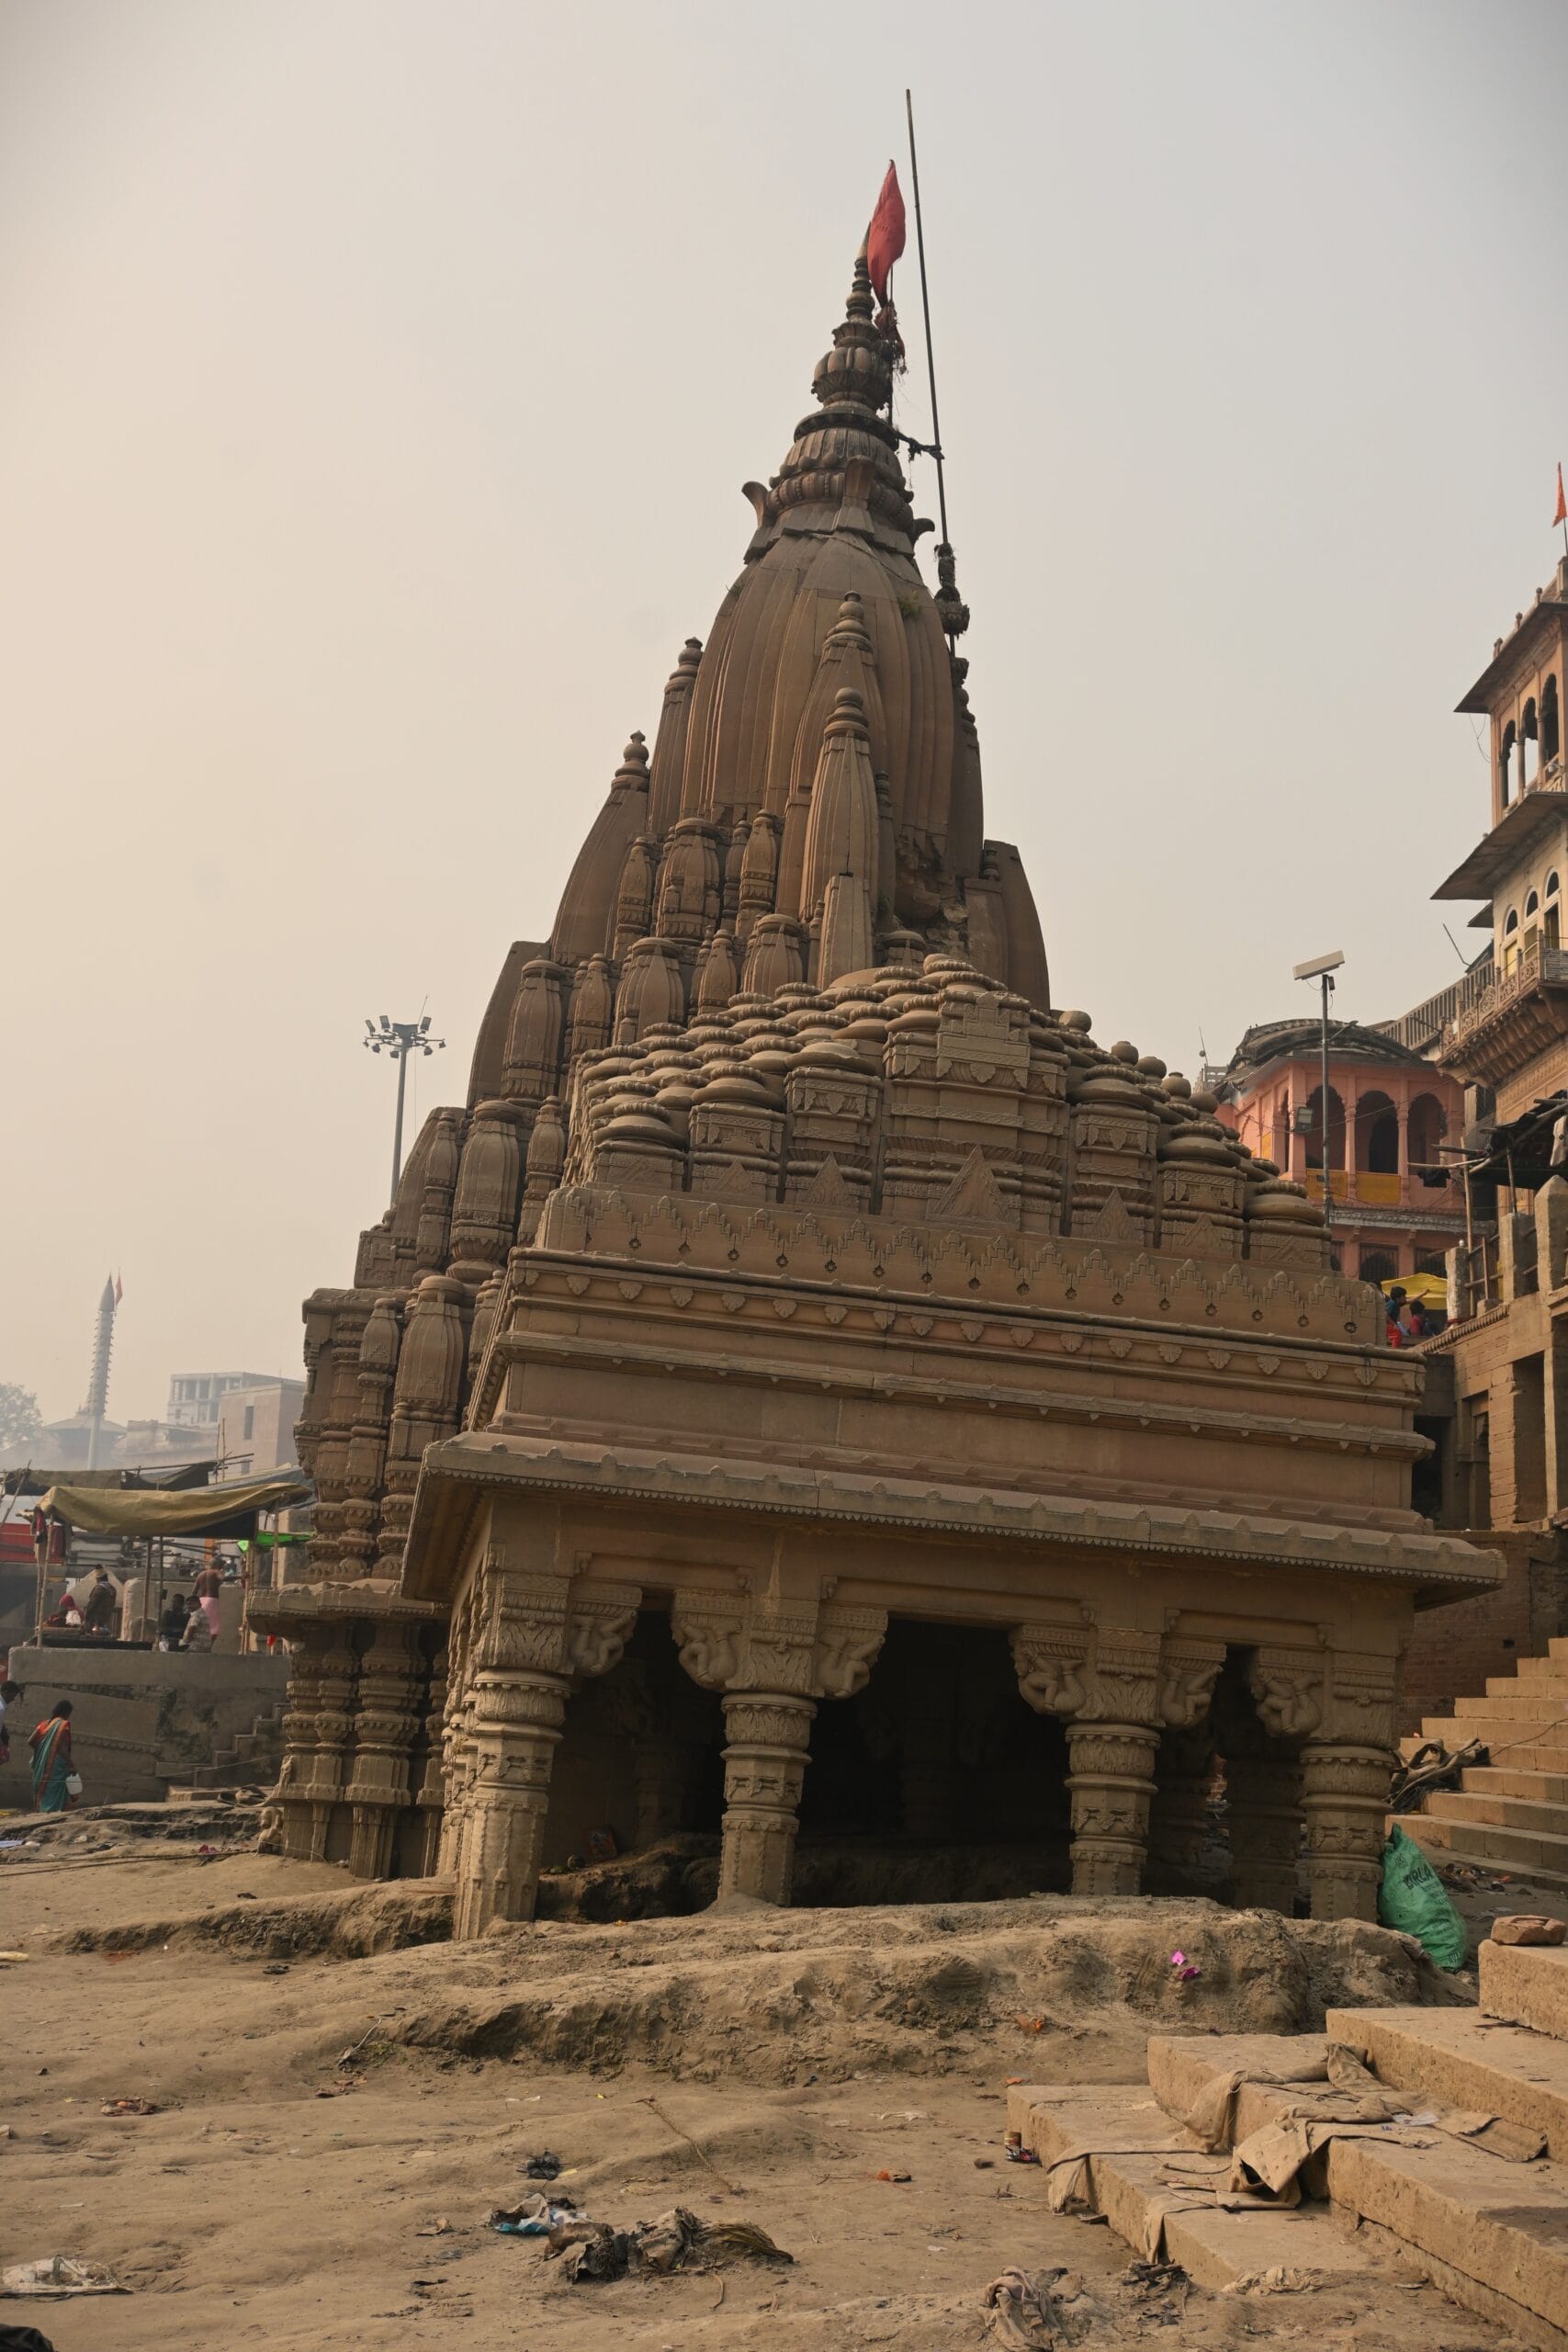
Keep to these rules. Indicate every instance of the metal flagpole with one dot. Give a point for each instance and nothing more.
(926, 311)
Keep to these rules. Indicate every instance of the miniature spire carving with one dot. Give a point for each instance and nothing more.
(841, 832)
(592, 1007)
(670, 743)
(634, 899)
(759, 872)
(585, 919)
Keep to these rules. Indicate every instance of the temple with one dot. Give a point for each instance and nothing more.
(813, 1393)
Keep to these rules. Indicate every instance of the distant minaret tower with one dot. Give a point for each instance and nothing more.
(98, 1379)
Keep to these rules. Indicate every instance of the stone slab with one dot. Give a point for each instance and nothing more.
(1217, 2249)
(1455, 2058)
(1499, 2231)
(1527, 1985)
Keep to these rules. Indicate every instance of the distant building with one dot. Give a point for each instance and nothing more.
(256, 1428)
(1398, 1208)
(194, 1397)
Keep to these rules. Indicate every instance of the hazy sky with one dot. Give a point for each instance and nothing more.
(379, 378)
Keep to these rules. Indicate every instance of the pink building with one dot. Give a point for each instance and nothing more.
(1398, 1203)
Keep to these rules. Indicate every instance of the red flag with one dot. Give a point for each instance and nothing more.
(885, 238)
(1561, 513)
(118, 1290)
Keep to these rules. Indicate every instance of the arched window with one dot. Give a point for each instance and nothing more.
(1506, 762)
(1336, 1129)
(1377, 1135)
(1529, 746)
(1378, 1266)
(1427, 1127)
(1550, 921)
(1550, 734)
(1510, 939)
(1532, 904)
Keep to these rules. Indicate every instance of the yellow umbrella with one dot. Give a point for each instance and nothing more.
(1432, 1290)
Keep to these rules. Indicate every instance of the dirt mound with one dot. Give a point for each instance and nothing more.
(778, 1999)
(360, 1921)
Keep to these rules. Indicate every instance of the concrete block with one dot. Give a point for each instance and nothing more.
(1528, 1984)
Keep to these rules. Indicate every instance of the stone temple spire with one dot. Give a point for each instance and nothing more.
(830, 597)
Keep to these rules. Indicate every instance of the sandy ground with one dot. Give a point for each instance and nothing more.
(802, 2053)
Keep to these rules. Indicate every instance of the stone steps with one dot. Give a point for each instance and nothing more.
(1525, 1851)
(1466, 1802)
(1515, 1703)
(1135, 2191)
(1546, 1669)
(1457, 2058)
(1491, 2233)
(1507, 1780)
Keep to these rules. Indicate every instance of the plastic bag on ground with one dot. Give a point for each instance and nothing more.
(1413, 1899)
(59, 2274)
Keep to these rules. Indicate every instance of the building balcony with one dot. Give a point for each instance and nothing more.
(1504, 1018)
(1368, 1189)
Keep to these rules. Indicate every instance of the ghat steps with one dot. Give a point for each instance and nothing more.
(1489, 2231)
(1511, 1813)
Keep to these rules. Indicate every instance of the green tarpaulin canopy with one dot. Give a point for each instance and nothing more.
(229, 1510)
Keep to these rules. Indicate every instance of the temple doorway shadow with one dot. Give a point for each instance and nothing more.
(637, 1792)
(938, 1783)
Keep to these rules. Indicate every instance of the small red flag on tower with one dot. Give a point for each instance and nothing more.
(1561, 513)
(118, 1290)
(885, 238)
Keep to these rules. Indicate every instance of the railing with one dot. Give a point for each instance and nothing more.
(1535, 964)
(1373, 1189)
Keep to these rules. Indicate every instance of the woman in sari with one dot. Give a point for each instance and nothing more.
(50, 1746)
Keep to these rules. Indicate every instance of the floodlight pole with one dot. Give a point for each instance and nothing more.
(400, 1039)
(1327, 1172)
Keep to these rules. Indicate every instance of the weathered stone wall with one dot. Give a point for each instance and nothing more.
(141, 1719)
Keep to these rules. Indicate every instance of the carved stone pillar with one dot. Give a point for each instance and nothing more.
(531, 1637)
(431, 1795)
(386, 1720)
(318, 1730)
(1345, 1799)
(306, 1650)
(1116, 1687)
(1110, 1780)
(515, 1726)
(1347, 1767)
(768, 1741)
(773, 1660)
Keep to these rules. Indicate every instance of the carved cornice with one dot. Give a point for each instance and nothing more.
(1442, 1564)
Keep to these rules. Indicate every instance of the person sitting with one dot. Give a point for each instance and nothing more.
(172, 1622)
(102, 1604)
(197, 1635)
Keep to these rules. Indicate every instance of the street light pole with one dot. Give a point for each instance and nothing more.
(1323, 967)
(400, 1039)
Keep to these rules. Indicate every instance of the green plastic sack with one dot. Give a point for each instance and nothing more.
(1413, 1899)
